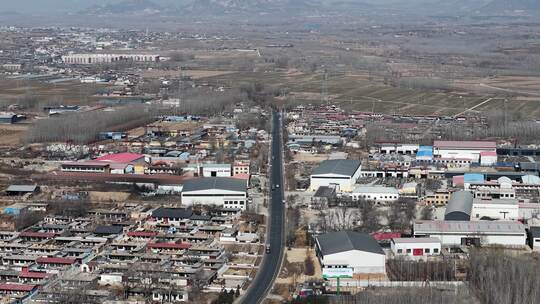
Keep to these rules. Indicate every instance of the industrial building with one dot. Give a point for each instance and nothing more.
(340, 172)
(22, 189)
(415, 247)
(459, 207)
(86, 167)
(216, 170)
(495, 209)
(108, 58)
(470, 150)
(457, 233)
(224, 192)
(356, 251)
(405, 149)
(377, 194)
(462, 206)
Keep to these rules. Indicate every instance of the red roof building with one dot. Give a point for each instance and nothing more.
(122, 158)
(26, 274)
(14, 287)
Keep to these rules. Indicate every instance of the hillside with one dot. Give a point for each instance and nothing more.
(127, 7)
(512, 6)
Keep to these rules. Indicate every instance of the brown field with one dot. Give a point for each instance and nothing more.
(71, 92)
(223, 55)
(11, 135)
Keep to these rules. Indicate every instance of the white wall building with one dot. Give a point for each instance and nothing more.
(390, 148)
(216, 170)
(457, 233)
(488, 158)
(463, 149)
(340, 172)
(378, 194)
(496, 209)
(415, 247)
(108, 58)
(350, 250)
(225, 192)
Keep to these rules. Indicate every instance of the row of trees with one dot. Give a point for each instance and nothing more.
(497, 278)
(411, 270)
(84, 127)
(426, 295)
(367, 216)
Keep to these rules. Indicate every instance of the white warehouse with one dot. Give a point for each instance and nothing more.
(463, 149)
(377, 194)
(108, 58)
(495, 209)
(216, 170)
(224, 192)
(339, 172)
(356, 251)
(457, 233)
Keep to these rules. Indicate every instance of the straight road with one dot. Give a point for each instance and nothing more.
(271, 263)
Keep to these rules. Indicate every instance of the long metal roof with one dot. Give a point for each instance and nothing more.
(468, 227)
(342, 241)
(338, 166)
(459, 206)
(210, 183)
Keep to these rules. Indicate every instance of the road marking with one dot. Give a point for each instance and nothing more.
(476, 106)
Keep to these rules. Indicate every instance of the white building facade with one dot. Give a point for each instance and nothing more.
(480, 233)
(463, 150)
(87, 59)
(495, 209)
(358, 252)
(415, 247)
(218, 191)
(216, 170)
(342, 173)
(377, 194)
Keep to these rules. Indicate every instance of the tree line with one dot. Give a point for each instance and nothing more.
(84, 127)
(498, 278)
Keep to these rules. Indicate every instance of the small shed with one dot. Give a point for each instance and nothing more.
(21, 189)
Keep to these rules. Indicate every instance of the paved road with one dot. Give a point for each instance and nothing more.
(271, 263)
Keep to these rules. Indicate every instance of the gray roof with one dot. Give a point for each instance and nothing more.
(416, 240)
(532, 166)
(179, 213)
(22, 188)
(338, 166)
(221, 183)
(468, 227)
(459, 206)
(341, 241)
(375, 189)
(108, 229)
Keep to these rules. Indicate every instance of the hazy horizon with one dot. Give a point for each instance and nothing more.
(46, 7)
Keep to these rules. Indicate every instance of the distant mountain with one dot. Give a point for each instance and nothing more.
(252, 6)
(126, 8)
(512, 6)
